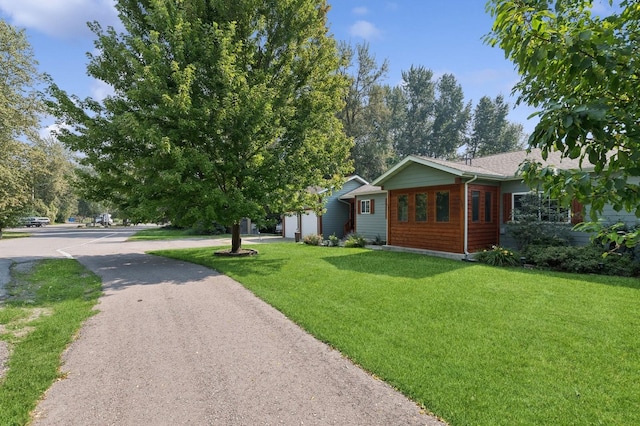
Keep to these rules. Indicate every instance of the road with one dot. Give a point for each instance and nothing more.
(176, 343)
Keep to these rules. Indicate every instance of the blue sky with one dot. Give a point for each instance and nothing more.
(444, 36)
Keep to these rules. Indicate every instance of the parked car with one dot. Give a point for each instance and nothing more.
(35, 221)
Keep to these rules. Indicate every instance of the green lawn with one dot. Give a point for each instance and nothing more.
(14, 234)
(474, 344)
(45, 309)
(167, 234)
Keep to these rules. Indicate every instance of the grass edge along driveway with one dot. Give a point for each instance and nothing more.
(473, 344)
(46, 308)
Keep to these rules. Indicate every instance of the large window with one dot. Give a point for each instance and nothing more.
(487, 207)
(442, 206)
(536, 206)
(403, 208)
(365, 206)
(421, 207)
(475, 206)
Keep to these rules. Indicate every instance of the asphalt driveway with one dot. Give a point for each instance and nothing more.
(177, 343)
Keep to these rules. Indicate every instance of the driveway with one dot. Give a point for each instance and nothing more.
(177, 343)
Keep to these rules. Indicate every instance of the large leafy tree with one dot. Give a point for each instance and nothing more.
(451, 118)
(51, 179)
(491, 132)
(581, 71)
(221, 110)
(19, 109)
(415, 99)
(366, 116)
(434, 115)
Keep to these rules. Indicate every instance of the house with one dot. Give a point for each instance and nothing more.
(463, 207)
(337, 218)
(370, 219)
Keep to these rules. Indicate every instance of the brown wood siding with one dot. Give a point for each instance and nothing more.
(576, 212)
(482, 234)
(506, 207)
(429, 235)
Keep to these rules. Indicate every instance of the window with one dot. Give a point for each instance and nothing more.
(475, 206)
(487, 207)
(442, 206)
(536, 206)
(365, 206)
(403, 208)
(421, 207)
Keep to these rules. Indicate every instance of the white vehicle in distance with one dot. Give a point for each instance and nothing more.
(104, 219)
(35, 221)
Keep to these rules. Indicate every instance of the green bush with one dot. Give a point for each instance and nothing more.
(498, 256)
(378, 241)
(312, 239)
(530, 229)
(583, 260)
(355, 240)
(334, 241)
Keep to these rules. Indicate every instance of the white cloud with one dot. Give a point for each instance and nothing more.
(60, 18)
(365, 30)
(360, 10)
(100, 90)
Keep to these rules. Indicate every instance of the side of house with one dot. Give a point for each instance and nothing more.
(337, 218)
(461, 208)
(371, 211)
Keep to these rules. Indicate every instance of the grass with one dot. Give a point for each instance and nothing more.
(14, 234)
(167, 234)
(44, 311)
(474, 344)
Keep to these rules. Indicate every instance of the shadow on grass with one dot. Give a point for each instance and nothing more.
(394, 264)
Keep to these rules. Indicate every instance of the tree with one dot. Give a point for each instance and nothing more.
(417, 99)
(491, 132)
(451, 118)
(51, 178)
(435, 116)
(19, 109)
(365, 115)
(581, 71)
(221, 110)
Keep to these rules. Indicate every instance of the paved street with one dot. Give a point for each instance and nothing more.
(176, 343)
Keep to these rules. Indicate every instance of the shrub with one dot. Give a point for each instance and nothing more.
(498, 256)
(312, 239)
(334, 241)
(355, 240)
(583, 260)
(378, 241)
(529, 229)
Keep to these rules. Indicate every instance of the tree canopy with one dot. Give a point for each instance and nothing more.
(491, 132)
(221, 110)
(581, 71)
(19, 109)
(434, 116)
(366, 115)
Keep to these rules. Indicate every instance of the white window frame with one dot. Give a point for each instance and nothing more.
(365, 206)
(540, 195)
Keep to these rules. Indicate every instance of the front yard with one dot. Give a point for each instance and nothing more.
(473, 344)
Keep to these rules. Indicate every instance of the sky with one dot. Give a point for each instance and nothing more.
(443, 36)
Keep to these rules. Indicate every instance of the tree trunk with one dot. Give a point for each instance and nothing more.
(236, 241)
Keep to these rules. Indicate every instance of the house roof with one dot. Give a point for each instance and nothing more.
(321, 190)
(494, 167)
(363, 190)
